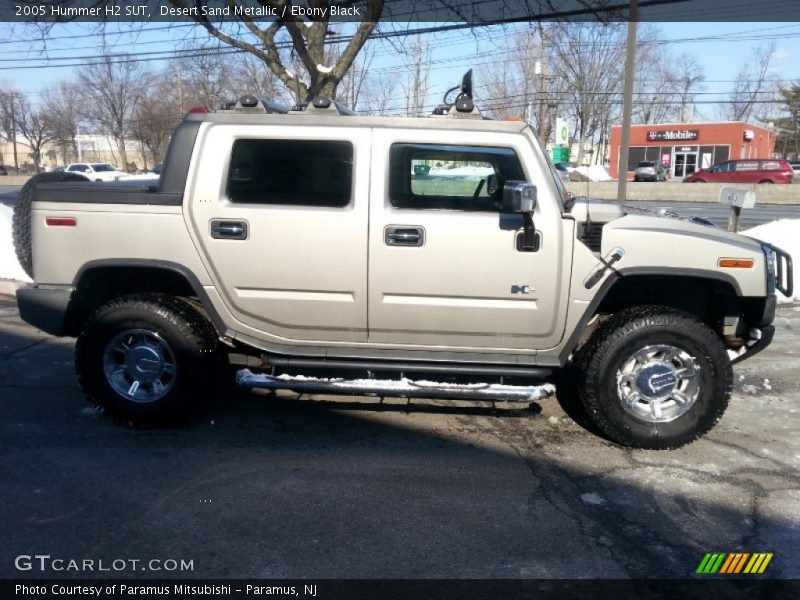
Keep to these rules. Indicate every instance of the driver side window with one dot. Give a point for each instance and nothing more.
(438, 177)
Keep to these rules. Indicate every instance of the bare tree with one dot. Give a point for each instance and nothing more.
(589, 67)
(418, 72)
(112, 92)
(525, 86)
(752, 81)
(63, 105)
(688, 78)
(155, 117)
(380, 92)
(306, 37)
(254, 77)
(34, 125)
(205, 79)
(355, 80)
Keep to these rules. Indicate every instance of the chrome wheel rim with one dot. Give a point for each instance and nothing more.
(659, 383)
(139, 365)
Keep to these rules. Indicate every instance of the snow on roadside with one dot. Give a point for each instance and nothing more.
(785, 234)
(9, 265)
(594, 172)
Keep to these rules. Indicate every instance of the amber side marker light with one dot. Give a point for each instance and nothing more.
(737, 263)
(61, 221)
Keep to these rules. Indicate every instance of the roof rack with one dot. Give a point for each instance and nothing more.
(324, 105)
(250, 104)
(463, 107)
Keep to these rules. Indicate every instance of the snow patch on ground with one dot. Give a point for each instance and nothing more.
(594, 172)
(9, 265)
(783, 234)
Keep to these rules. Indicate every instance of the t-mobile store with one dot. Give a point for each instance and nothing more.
(687, 147)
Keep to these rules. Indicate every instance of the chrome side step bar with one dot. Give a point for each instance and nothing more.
(394, 388)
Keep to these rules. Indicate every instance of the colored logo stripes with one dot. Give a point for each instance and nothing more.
(734, 563)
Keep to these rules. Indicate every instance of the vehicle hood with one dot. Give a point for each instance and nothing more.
(648, 224)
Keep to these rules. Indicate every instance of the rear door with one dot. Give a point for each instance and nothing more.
(280, 213)
(445, 269)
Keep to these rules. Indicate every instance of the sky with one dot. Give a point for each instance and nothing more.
(720, 47)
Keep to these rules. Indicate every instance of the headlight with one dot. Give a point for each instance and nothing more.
(769, 255)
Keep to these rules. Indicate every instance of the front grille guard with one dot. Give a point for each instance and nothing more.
(784, 274)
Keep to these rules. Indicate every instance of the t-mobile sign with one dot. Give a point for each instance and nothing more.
(678, 135)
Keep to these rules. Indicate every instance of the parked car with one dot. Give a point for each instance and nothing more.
(650, 171)
(96, 171)
(563, 171)
(745, 171)
(3, 170)
(795, 167)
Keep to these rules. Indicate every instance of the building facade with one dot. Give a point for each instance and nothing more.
(687, 147)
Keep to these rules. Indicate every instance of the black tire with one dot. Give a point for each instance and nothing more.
(22, 215)
(191, 344)
(699, 181)
(766, 181)
(612, 347)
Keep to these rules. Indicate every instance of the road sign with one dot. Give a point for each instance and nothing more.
(562, 132)
(737, 198)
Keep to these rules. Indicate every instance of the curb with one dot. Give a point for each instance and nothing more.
(9, 287)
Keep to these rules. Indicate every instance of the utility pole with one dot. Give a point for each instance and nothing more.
(627, 103)
(14, 132)
(543, 84)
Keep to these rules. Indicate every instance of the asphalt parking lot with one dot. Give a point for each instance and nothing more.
(271, 487)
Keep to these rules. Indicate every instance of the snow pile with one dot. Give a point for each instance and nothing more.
(594, 172)
(465, 171)
(784, 235)
(154, 177)
(9, 265)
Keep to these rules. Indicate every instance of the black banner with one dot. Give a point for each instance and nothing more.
(750, 588)
(478, 12)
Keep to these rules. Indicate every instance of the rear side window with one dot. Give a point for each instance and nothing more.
(437, 177)
(750, 165)
(291, 172)
(770, 165)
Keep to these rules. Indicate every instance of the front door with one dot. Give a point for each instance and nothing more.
(280, 214)
(685, 164)
(445, 269)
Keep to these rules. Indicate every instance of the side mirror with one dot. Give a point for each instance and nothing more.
(519, 197)
(491, 184)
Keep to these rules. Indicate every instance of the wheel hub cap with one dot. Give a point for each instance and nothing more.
(139, 365)
(658, 383)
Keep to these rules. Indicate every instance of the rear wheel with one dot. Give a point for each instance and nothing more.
(699, 181)
(766, 181)
(654, 377)
(146, 358)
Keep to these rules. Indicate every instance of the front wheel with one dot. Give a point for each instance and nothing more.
(654, 377)
(146, 359)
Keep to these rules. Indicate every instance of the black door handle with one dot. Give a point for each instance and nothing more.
(404, 236)
(228, 230)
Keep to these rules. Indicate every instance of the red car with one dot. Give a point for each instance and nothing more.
(745, 171)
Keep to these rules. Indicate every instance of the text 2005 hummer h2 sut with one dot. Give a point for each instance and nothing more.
(350, 254)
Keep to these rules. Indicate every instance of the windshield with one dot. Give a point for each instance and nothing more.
(645, 164)
(103, 167)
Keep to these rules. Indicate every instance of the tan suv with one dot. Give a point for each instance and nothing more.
(330, 252)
